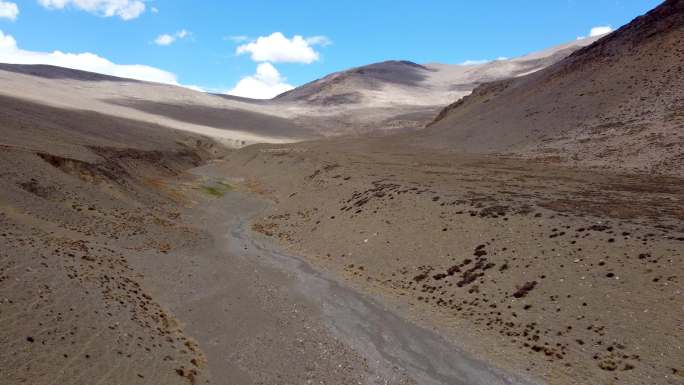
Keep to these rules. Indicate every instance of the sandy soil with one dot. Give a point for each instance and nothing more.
(118, 267)
(128, 275)
(250, 323)
(263, 316)
(533, 234)
(572, 276)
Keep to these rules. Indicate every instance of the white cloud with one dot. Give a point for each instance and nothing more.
(597, 31)
(321, 40)
(474, 62)
(266, 83)
(277, 48)
(7, 42)
(600, 30)
(11, 53)
(479, 62)
(154, 10)
(237, 38)
(166, 39)
(8, 10)
(125, 9)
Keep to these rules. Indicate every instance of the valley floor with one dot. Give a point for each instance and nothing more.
(570, 276)
(115, 273)
(411, 269)
(263, 316)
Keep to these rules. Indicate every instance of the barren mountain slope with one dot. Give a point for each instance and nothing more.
(617, 102)
(413, 83)
(381, 97)
(116, 267)
(400, 95)
(233, 121)
(570, 274)
(119, 267)
(78, 197)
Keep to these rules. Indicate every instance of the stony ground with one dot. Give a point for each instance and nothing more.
(571, 275)
(73, 310)
(115, 267)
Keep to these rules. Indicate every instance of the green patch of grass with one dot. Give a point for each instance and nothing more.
(218, 190)
(213, 191)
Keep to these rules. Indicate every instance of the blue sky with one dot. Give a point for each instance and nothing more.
(357, 33)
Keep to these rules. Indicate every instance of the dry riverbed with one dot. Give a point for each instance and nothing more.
(572, 276)
(263, 316)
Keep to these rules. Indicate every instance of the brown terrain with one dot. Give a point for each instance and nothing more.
(76, 202)
(538, 221)
(614, 104)
(533, 233)
(396, 96)
(124, 260)
(105, 242)
(379, 98)
(573, 276)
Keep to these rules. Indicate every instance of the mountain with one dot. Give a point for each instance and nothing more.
(383, 97)
(400, 95)
(136, 248)
(616, 103)
(233, 121)
(413, 82)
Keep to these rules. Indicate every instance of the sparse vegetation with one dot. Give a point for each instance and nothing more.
(217, 190)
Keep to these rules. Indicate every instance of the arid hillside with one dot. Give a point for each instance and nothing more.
(235, 122)
(532, 233)
(537, 222)
(394, 95)
(79, 196)
(617, 102)
(379, 98)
